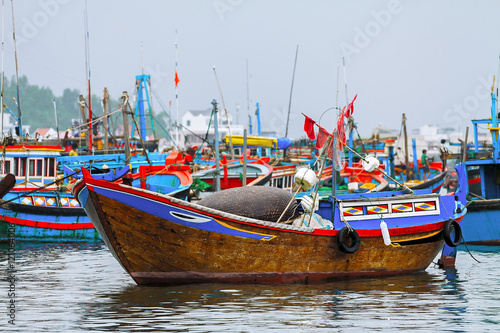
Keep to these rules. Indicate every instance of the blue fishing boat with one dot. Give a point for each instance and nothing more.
(41, 206)
(482, 224)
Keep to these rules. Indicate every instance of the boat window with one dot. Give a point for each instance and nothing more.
(7, 167)
(31, 167)
(22, 166)
(50, 167)
(39, 167)
(15, 167)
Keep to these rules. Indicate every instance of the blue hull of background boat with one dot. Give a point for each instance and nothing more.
(482, 227)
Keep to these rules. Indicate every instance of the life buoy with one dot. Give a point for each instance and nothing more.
(450, 226)
(350, 246)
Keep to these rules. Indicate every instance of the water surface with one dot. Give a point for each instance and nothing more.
(81, 287)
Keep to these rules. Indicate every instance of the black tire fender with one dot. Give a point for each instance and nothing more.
(450, 226)
(349, 247)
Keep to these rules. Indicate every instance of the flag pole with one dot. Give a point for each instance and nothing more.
(177, 135)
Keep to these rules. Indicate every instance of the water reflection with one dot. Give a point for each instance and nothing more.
(80, 287)
(400, 301)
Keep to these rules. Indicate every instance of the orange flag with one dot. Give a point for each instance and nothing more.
(176, 78)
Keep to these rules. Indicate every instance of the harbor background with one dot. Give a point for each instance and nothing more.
(81, 287)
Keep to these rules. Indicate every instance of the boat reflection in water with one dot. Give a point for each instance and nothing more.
(80, 287)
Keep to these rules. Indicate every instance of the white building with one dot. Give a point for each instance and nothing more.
(10, 123)
(196, 123)
(47, 133)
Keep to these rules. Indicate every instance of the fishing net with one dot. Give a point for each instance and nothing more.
(259, 202)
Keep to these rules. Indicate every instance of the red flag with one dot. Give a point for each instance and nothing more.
(350, 108)
(176, 78)
(340, 127)
(309, 128)
(329, 152)
(322, 136)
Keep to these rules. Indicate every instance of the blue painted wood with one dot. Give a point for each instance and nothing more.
(481, 225)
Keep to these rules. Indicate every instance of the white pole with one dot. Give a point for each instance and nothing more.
(57, 123)
(227, 117)
(176, 94)
(345, 82)
(3, 34)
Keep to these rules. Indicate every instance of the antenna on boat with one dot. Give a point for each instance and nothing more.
(227, 117)
(142, 57)
(337, 97)
(291, 91)
(18, 101)
(248, 104)
(345, 82)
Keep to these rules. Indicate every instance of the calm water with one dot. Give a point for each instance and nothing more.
(72, 288)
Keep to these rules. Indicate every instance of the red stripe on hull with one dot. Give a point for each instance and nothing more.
(47, 225)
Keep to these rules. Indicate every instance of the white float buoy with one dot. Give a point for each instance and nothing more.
(385, 233)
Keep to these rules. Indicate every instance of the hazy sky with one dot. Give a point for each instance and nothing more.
(433, 60)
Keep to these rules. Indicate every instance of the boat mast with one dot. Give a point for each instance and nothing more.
(57, 123)
(105, 111)
(248, 104)
(291, 91)
(3, 75)
(216, 137)
(84, 119)
(407, 168)
(177, 135)
(87, 70)
(349, 127)
(227, 117)
(126, 134)
(18, 101)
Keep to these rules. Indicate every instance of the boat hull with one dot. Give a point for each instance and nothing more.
(160, 240)
(41, 217)
(481, 224)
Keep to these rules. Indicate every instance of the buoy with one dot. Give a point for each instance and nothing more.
(370, 163)
(308, 204)
(385, 233)
(306, 177)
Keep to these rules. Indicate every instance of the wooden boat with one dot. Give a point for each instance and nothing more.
(159, 239)
(436, 178)
(53, 214)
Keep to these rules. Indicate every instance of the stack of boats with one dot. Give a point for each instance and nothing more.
(268, 223)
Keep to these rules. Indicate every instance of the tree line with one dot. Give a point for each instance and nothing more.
(37, 104)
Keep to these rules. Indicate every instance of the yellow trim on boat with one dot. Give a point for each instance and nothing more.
(264, 236)
(258, 141)
(397, 244)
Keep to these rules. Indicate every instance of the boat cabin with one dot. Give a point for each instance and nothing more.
(33, 166)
